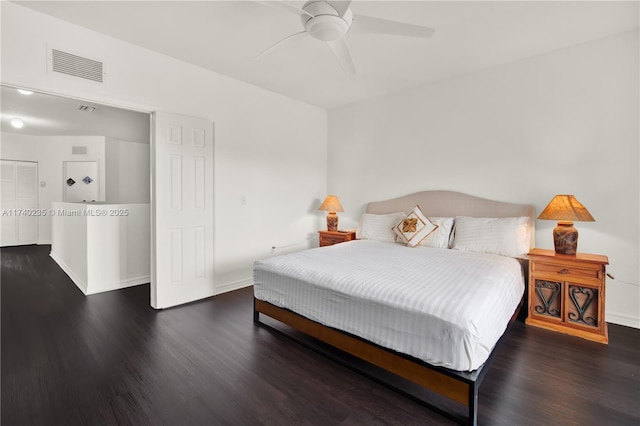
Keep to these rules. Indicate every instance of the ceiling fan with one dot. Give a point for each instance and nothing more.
(330, 21)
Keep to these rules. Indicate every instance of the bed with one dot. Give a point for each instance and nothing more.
(430, 311)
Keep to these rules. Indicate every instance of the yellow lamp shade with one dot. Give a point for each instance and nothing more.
(332, 205)
(565, 209)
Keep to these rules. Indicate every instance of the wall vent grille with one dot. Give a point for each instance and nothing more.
(79, 150)
(77, 66)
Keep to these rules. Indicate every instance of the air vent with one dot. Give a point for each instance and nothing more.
(77, 66)
(79, 150)
(87, 108)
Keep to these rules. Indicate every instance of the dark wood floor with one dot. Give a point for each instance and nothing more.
(109, 358)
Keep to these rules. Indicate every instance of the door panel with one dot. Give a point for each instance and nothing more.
(182, 217)
(19, 199)
(27, 200)
(8, 187)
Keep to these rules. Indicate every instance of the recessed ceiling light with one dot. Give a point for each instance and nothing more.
(25, 92)
(17, 123)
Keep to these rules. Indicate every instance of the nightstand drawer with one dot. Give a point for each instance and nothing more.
(328, 240)
(568, 272)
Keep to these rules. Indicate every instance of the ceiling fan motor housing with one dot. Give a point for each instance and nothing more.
(324, 22)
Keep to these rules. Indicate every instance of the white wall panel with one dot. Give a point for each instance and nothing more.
(127, 171)
(199, 182)
(174, 135)
(200, 252)
(175, 244)
(175, 182)
(197, 138)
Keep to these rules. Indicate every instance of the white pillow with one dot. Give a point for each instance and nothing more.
(414, 227)
(378, 227)
(440, 237)
(507, 236)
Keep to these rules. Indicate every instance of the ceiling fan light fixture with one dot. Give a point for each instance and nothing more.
(330, 21)
(326, 27)
(323, 21)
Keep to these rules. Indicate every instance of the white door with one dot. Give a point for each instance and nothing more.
(182, 209)
(20, 213)
(9, 229)
(81, 181)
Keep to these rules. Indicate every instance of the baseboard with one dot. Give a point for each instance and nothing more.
(76, 280)
(622, 319)
(44, 242)
(130, 282)
(84, 287)
(233, 285)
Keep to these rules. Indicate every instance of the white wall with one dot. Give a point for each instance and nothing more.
(127, 171)
(51, 152)
(269, 149)
(102, 247)
(564, 122)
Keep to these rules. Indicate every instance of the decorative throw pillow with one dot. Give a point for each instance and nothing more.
(440, 238)
(378, 227)
(414, 228)
(506, 236)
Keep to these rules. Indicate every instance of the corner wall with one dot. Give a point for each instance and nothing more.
(564, 122)
(127, 172)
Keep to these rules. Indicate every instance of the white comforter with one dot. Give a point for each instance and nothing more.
(445, 307)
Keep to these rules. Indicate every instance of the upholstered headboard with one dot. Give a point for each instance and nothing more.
(450, 203)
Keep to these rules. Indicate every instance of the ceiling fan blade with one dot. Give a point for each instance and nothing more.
(290, 38)
(340, 6)
(370, 25)
(284, 6)
(340, 49)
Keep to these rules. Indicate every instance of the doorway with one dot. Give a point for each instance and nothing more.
(186, 147)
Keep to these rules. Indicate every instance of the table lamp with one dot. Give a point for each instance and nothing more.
(565, 209)
(332, 205)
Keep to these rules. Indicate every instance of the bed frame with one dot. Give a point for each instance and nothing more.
(461, 387)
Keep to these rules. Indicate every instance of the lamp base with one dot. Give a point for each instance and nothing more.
(332, 221)
(565, 238)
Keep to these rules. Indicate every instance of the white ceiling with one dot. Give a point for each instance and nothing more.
(48, 115)
(225, 36)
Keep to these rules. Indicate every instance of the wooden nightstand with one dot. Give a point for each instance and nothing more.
(567, 293)
(329, 238)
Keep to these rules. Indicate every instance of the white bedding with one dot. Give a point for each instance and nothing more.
(445, 307)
